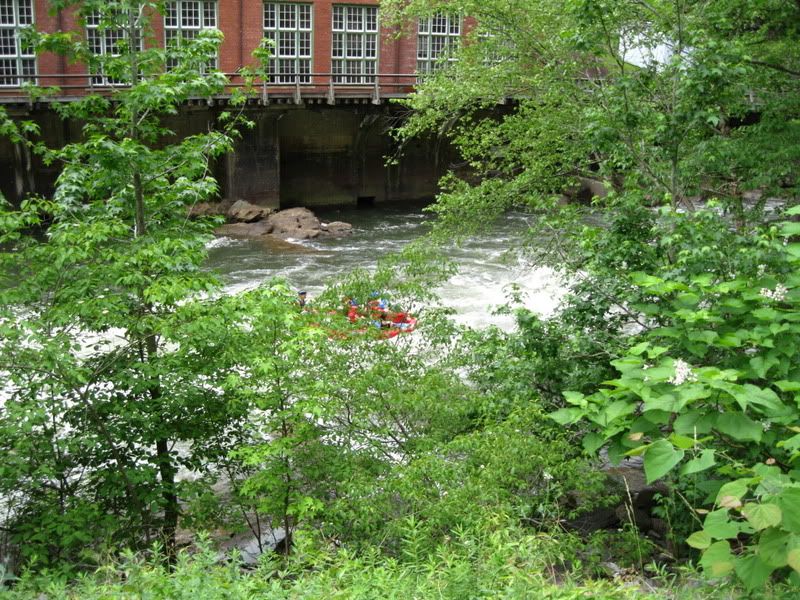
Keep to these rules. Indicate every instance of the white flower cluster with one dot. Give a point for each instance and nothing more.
(778, 294)
(761, 270)
(683, 373)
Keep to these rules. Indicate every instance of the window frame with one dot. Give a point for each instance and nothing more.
(23, 64)
(175, 29)
(355, 43)
(291, 26)
(449, 37)
(107, 37)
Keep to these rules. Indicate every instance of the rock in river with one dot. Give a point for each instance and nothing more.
(289, 224)
(337, 229)
(244, 230)
(295, 223)
(244, 212)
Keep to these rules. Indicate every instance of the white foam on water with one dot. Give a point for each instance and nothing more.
(224, 242)
(475, 297)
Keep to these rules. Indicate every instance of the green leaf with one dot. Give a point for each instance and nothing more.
(700, 540)
(764, 397)
(787, 386)
(793, 250)
(659, 459)
(667, 402)
(706, 336)
(717, 560)
(762, 365)
(692, 422)
(753, 571)
(739, 427)
(789, 228)
(773, 547)
(644, 280)
(592, 442)
(701, 463)
(574, 398)
(789, 502)
(719, 526)
(793, 559)
(614, 411)
(765, 314)
(681, 441)
(733, 490)
(761, 516)
(566, 416)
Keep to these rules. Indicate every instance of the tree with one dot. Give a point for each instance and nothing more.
(679, 307)
(674, 100)
(99, 413)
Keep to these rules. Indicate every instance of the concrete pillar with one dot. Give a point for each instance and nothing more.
(253, 169)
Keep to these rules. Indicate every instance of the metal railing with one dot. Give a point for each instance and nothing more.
(318, 85)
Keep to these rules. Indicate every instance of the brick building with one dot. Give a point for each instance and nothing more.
(322, 48)
(320, 121)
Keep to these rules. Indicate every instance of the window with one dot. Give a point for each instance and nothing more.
(184, 19)
(437, 39)
(104, 41)
(289, 27)
(17, 60)
(354, 50)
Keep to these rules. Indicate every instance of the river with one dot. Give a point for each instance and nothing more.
(487, 271)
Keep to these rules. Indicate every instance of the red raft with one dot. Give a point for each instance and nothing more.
(391, 324)
(401, 323)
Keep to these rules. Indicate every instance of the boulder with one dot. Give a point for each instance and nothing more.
(637, 498)
(208, 209)
(752, 196)
(295, 223)
(244, 212)
(289, 224)
(629, 472)
(244, 230)
(275, 244)
(249, 548)
(592, 188)
(337, 229)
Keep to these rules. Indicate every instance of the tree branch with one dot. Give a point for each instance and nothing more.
(774, 67)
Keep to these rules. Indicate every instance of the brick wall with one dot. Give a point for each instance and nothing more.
(241, 22)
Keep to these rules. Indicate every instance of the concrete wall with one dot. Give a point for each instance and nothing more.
(295, 155)
(334, 156)
(23, 173)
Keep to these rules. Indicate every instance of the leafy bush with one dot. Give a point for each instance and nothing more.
(708, 395)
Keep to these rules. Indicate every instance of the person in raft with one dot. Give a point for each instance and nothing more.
(381, 315)
(352, 310)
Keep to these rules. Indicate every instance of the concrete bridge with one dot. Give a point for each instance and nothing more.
(318, 143)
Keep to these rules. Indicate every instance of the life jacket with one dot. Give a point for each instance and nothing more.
(352, 313)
